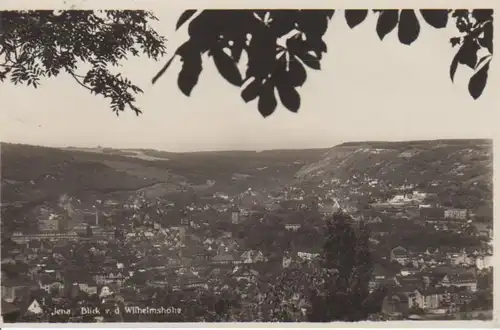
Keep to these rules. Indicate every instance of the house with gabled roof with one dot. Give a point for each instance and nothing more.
(252, 256)
(406, 271)
(401, 255)
(426, 299)
(89, 286)
(246, 274)
(483, 229)
(293, 226)
(464, 280)
(225, 259)
(408, 283)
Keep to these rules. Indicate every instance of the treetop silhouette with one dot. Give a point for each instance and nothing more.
(280, 46)
(88, 45)
(275, 70)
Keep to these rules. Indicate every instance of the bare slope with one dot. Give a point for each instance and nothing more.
(32, 173)
(445, 166)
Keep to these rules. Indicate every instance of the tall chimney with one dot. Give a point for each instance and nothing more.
(96, 217)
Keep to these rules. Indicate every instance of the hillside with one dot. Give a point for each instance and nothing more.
(441, 166)
(459, 171)
(34, 174)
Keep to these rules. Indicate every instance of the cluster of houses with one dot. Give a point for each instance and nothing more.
(432, 282)
(54, 267)
(456, 257)
(435, 291)
(152, 250)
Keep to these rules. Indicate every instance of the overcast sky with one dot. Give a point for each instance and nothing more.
(366, 90)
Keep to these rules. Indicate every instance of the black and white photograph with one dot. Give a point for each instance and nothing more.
(164, 165)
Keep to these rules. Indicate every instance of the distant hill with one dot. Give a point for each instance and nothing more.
(461, 143)
(145, 154)
(33, 173)
(445, 166)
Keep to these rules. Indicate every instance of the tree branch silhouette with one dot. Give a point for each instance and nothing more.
(37, 44)
(282, 44)
(79, 82)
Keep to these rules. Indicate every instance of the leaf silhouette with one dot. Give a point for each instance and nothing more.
(284, 69)
(226, 66)
(267, 101)
(299, 48)
(482, 60)
(409, 27)
(296, 73)
(354, 17)
(437, 18)
(261, 55)
(189, 74)
(289, 96)
(313, 22)
(387, 21)
(185, 16)
(455, 41)
(283, 21)
(237, 49)
(310, 60)
(487, 39)
(454, 66)
(477, 82)
(251, 91)
(468, 53)
(329, 13)
(318, 46)
(482, 14)
(203, 29)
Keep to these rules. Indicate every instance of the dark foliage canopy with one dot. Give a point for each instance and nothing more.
(333, 287)
(347, 263)
(87, 45)
(280, 45)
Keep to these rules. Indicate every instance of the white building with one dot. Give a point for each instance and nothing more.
(484, 262)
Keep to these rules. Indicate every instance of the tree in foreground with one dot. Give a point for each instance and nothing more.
(334, 287)
(280, 47)
(347, 265)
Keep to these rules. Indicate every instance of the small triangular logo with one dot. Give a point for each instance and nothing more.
(35, 308)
